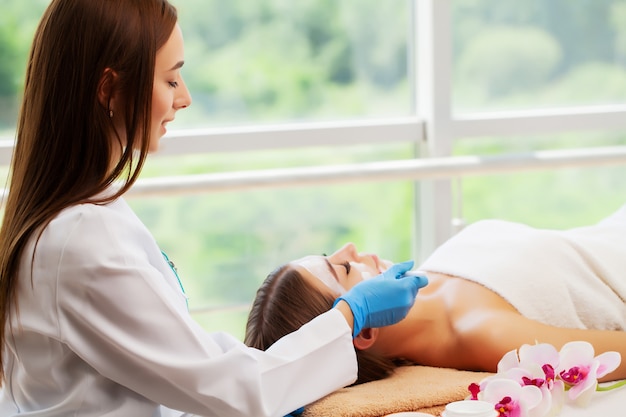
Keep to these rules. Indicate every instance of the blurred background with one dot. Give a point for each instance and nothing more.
(354, 82)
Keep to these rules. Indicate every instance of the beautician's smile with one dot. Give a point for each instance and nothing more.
(164, 124)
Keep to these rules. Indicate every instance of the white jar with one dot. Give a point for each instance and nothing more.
(470, 408)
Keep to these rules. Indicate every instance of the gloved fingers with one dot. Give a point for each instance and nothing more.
(385, 299)
(397, 270)
(420, 280)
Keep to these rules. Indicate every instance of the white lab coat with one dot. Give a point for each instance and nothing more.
(104, 330)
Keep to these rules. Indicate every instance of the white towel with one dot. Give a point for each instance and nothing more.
(574, 278)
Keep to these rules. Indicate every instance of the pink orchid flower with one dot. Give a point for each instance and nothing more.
(510, 399)
(535, 365)
(580, 369)
(533, 381)
(539, 359)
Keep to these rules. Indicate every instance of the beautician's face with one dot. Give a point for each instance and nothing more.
(169, 93)
(343, 269)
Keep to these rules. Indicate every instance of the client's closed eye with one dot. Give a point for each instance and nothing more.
(347, 266)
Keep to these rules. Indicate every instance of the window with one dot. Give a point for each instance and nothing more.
(533, 54)
(292, 89)
(18, 21)
(280, 61)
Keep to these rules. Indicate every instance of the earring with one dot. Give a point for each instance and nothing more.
(111, 113)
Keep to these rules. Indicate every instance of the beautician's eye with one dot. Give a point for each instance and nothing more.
(347, 266)
(173, 84)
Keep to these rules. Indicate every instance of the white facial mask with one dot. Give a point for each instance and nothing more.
(366, 272)
(319, 269)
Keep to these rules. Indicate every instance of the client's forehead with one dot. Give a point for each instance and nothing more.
(319, 268)
(311, 259)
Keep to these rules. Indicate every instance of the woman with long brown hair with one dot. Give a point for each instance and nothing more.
(93, 320)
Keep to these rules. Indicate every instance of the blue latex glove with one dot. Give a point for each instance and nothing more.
(385, 299)
(296, 413)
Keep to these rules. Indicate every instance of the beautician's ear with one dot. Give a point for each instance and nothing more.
(106, 88)
(365, 339)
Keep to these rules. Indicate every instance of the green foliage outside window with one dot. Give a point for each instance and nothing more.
(270, 61)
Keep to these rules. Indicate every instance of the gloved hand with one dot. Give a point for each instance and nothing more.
(296, 413)
(385, 299)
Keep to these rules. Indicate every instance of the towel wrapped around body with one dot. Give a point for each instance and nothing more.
(568, 278)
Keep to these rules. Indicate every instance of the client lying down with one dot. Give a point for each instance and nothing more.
(493, 287)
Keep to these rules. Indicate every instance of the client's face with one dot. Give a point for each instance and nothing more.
(343, 269)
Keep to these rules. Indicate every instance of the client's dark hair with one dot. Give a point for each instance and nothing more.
(286, 301)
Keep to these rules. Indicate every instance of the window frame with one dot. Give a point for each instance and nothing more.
(433, 128)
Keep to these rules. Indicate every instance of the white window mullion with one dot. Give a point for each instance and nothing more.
(434, 103)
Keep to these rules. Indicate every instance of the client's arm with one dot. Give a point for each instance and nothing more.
(502, 331)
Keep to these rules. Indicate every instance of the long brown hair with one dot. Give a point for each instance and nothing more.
(286, 301)
(63, 152)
